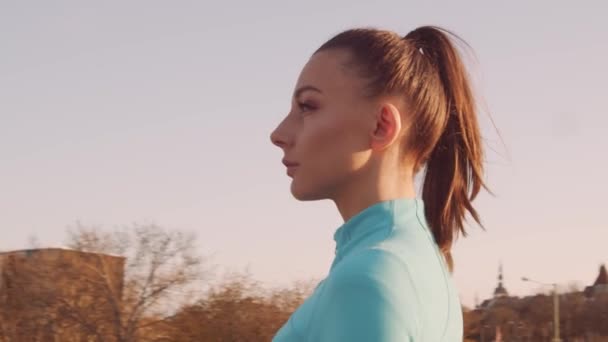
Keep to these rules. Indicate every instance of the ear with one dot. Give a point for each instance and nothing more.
(387, 127)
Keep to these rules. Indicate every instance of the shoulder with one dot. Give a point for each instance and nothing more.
(369, 294)
(374, 269)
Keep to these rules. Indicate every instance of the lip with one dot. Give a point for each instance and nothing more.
(291, 166)
(289, 163)
(291, 170)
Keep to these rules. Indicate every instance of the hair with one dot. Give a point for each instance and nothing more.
(426, 68)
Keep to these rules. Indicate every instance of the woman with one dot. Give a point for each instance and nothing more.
(370, 110)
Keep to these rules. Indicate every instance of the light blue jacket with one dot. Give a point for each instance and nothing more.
(388, 282)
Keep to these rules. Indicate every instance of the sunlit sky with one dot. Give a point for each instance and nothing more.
(117, 112)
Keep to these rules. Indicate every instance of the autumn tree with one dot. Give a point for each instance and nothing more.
(239, 309)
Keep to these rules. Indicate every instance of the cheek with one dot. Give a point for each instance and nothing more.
(331, 150)
(325, 141)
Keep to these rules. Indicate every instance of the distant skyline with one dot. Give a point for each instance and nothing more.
(149, 111)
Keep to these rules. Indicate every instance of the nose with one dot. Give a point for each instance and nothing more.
(280, 135)
(277, 139)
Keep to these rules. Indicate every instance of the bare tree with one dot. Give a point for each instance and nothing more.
(160, 268)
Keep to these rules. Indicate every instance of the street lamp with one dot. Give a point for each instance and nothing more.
(555, 307)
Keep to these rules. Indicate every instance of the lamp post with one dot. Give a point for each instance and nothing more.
(556, 337)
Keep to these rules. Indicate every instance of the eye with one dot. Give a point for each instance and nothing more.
(305, 107)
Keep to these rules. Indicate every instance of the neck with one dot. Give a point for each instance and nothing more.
(382, 187)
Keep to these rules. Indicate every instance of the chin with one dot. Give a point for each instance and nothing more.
(302, 194)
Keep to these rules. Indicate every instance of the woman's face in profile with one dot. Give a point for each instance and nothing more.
(327, 130)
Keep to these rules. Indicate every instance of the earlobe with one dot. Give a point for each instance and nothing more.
(387, 127)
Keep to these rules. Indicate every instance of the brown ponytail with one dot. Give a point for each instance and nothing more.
(454, 168)
(445, 137)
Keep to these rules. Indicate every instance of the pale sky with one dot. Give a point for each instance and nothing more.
(160, 111)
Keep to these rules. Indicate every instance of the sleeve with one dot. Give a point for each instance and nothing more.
(363, 303)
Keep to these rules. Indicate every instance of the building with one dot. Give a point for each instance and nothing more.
(55, 294)
(500, 292)
(530, 318)
(600, 285)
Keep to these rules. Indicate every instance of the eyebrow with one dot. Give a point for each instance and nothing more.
(305, 88)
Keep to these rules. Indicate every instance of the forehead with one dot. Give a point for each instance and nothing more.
(332, 72)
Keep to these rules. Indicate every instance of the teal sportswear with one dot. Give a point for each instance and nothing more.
(388, 283)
